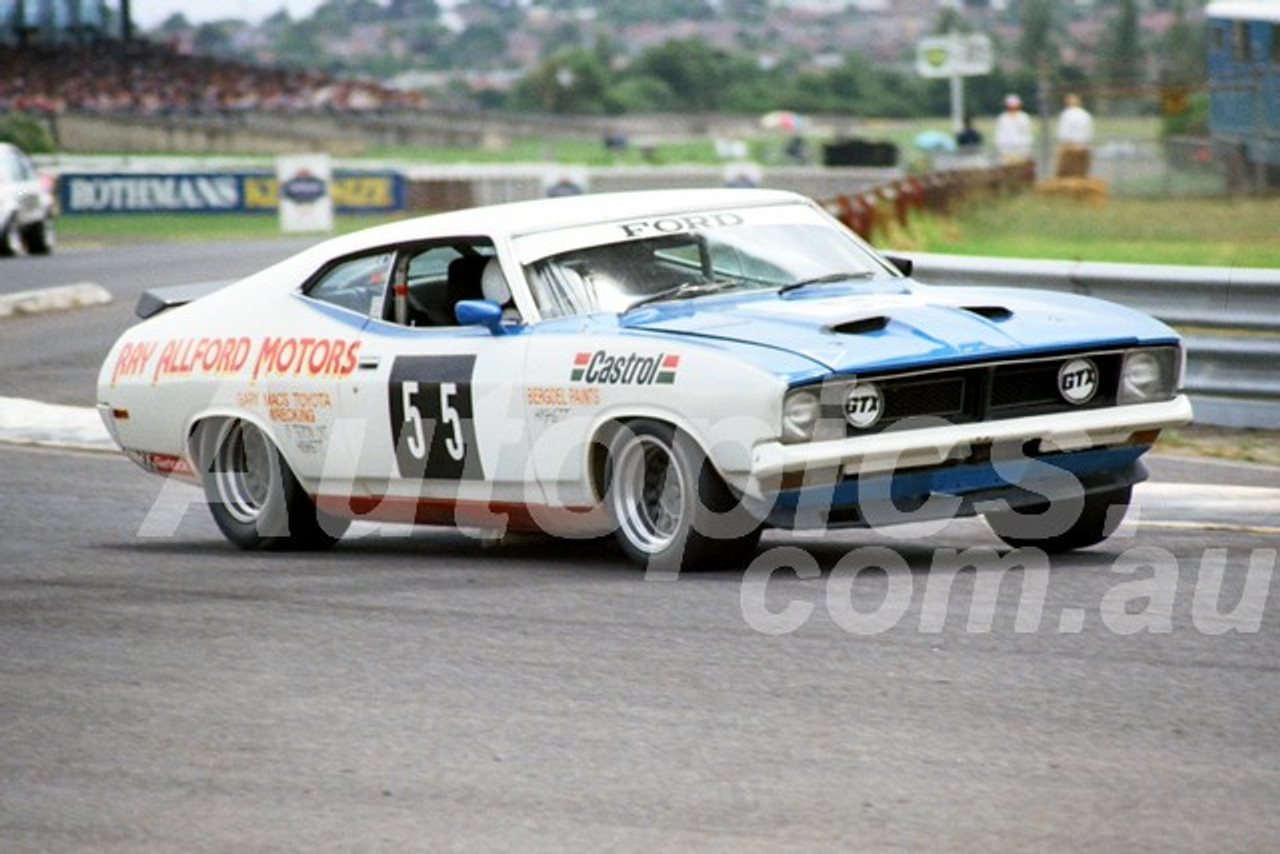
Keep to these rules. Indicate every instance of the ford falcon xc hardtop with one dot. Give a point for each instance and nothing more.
(682, 369)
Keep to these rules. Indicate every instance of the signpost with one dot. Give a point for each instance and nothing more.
(305, 200)
(955, 56)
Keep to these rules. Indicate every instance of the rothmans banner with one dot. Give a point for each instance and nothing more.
(218, 192)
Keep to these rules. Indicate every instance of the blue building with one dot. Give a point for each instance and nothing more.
(1244, 85)
(51, 21)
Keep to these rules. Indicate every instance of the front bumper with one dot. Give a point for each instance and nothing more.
(918, 447)
(895, 475)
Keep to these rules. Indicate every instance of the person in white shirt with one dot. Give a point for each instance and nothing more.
(1014, 135)
(1075, 135)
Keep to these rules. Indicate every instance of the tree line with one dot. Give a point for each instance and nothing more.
(583, 68)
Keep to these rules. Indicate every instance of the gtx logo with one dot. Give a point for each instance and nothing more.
(863, 405)
(1078, 381)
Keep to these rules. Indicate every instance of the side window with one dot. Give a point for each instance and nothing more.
(26, 169)
(357, 284)
(437, 278)
(685, 256)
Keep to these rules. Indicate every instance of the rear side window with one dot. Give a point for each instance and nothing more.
(357, 284)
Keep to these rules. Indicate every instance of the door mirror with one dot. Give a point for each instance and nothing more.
(480, 312)
(904, 265)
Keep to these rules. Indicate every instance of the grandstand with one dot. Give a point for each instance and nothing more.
(62, 63)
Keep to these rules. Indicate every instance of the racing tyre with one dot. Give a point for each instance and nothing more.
(255, 497)
(670, 509)
(40, 237)
(1098, 519)
(10, 239)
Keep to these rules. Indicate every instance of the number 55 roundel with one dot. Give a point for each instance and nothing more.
(432, 427)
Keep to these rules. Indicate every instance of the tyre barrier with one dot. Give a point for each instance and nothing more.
(869, 213)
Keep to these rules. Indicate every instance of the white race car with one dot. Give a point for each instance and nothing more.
(27, 205)
(681, 368)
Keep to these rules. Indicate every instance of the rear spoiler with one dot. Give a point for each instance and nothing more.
(156, 300)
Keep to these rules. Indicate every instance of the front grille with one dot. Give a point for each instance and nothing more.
(1024, 385)
(938, 397)
(986, 392)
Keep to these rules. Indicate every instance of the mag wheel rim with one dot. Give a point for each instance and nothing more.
(243, 472)
(651, 494)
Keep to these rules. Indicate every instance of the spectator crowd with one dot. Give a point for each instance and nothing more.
(145, 79)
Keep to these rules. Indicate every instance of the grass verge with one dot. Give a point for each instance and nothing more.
(1199, 440)
(1213, 232)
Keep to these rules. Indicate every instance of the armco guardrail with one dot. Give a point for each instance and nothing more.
(1230, 318)
(1218, 298)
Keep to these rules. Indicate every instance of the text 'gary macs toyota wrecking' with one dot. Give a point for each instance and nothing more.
(682, 369)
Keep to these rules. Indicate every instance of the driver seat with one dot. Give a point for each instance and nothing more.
(464, 282)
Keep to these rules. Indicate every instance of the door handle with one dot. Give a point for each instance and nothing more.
(369, 363)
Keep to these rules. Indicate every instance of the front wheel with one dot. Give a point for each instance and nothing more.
(671, 510)
(255, 498)
(1098, 519)
(11, 238)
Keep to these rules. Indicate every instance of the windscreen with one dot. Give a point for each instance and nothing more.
(614, 267)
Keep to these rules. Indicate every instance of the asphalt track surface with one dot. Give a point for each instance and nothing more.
(161, 691)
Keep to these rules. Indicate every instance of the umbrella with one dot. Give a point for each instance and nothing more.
(935, 140)
(782, 120)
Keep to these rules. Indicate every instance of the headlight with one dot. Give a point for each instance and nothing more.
(800, 413)
(1148, 375)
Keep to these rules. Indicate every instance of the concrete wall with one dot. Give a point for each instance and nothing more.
(447, 187)
(84, 133)
(352, 134)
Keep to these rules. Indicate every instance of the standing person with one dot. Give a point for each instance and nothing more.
(1014, 135)
(969, 138)
(1075, 135)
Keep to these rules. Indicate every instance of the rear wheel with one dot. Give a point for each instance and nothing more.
(11, 238)
(255, 498)
(40, 237)
(670, 508)
(1098, 519)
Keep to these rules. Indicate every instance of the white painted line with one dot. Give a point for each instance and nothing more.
(57, 298)
(1260, 530)
(1206, 507)
(1199, 496)
(29, 422)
